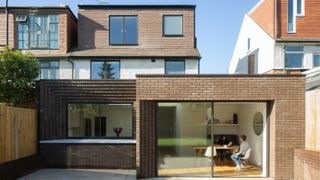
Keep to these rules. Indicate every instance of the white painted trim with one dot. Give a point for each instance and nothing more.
(89, 141)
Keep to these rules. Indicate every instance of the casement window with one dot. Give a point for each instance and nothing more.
(294, 57)
(49, 69)
(173, 25)
(123, 30)
(291, 16)
(38, 31)
(175, 67)
(105, 69)
(100, 120)
(300, 7)
(316, 60)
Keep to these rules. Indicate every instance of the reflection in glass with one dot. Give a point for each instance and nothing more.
(175, 67)
(105, 70)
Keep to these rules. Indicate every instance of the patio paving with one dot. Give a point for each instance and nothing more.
(83, 174)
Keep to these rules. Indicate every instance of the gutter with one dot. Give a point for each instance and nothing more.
(72, 66)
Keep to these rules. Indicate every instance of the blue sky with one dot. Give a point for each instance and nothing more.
(217, 24)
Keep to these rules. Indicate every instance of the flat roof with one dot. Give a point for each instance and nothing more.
(137, 6)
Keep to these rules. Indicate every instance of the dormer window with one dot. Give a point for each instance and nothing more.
(38, 31)
(123, 30)
(173, 25)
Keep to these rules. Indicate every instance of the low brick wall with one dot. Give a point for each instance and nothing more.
(306, 164)
(89, 156)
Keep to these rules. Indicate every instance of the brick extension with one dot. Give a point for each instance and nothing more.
(284, 94)
(306, 164)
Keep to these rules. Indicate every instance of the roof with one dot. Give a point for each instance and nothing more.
(125, 53)
(313, 79)
(135, 53)
(136, 6)
(42, 8)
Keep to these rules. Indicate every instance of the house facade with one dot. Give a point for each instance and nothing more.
(278, 37)
(127, 94)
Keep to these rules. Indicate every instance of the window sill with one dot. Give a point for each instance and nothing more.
(89, 141)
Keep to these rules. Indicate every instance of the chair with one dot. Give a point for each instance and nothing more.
(208, 154)
(244, 159)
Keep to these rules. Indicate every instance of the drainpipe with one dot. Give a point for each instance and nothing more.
(72, 67)
(7, 23)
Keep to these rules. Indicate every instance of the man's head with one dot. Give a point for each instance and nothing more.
(243, 138)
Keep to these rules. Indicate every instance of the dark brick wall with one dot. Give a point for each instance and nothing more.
(121, 156)
(56, 94)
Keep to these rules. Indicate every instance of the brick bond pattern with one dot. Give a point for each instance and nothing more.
(285, 95)
(306, 164)
(54, 97)
(88, 155)
(93, 30)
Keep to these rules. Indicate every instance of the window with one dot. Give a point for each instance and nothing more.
(294, 57)
(172, 25)
(249, 44)
(38, 31)
(49, 69)
(300, 7)
(291, 17)
(100, 120)
(175, 67)
(123, 30)
(316, 60)
(105, 70)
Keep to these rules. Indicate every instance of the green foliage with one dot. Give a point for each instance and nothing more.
(17, 76)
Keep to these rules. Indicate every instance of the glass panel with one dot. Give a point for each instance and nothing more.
(183, 136)
(116, 30)
(294, 60)
(172, 25)
(316, 60)
(81, 121)
(100, 120)
(291, 18)
(131, 30)
(44, 73)
(105, 70)
(119, 120)
(299, 6)
(295, 48)
(231, 121)
(175, 67)
(22, 35)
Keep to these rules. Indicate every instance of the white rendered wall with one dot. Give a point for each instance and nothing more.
(192, 66)
(65, 69)
(261, 44)
(130, 67)
(81, 69)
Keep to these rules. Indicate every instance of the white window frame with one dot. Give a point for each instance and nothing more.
(314, 54)
(295, 52)
(294, 17)
(302, 8)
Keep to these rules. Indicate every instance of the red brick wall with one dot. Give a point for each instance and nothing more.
(3, 30)
(93, 27)
(306, 164)
(264, 16)
(307, 26)
(285, 94)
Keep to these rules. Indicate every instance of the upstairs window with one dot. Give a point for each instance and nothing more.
(316, 60)
(38, 31)
(300, 7)
(175, 66)
(294, 57)
(172, 25)
(49, 69)
(105, 70)
(291, 16)
(123, 30)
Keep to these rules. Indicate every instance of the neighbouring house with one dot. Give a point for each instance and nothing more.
(278, 36)
(127, 94)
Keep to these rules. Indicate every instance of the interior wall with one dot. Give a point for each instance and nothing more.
(246, 113)
(224, 113)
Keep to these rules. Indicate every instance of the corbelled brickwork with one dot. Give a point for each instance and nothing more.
(89, 155)
(306, 164)
(93, 30)
(55, 96)
(286, 105)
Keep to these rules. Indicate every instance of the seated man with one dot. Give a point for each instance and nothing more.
(244, 146)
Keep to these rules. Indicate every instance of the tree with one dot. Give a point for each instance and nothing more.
(106, 71)
(17, 77)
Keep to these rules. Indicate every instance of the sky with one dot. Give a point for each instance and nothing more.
(218, 23)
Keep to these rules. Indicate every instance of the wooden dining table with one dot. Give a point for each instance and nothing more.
(200, 150)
